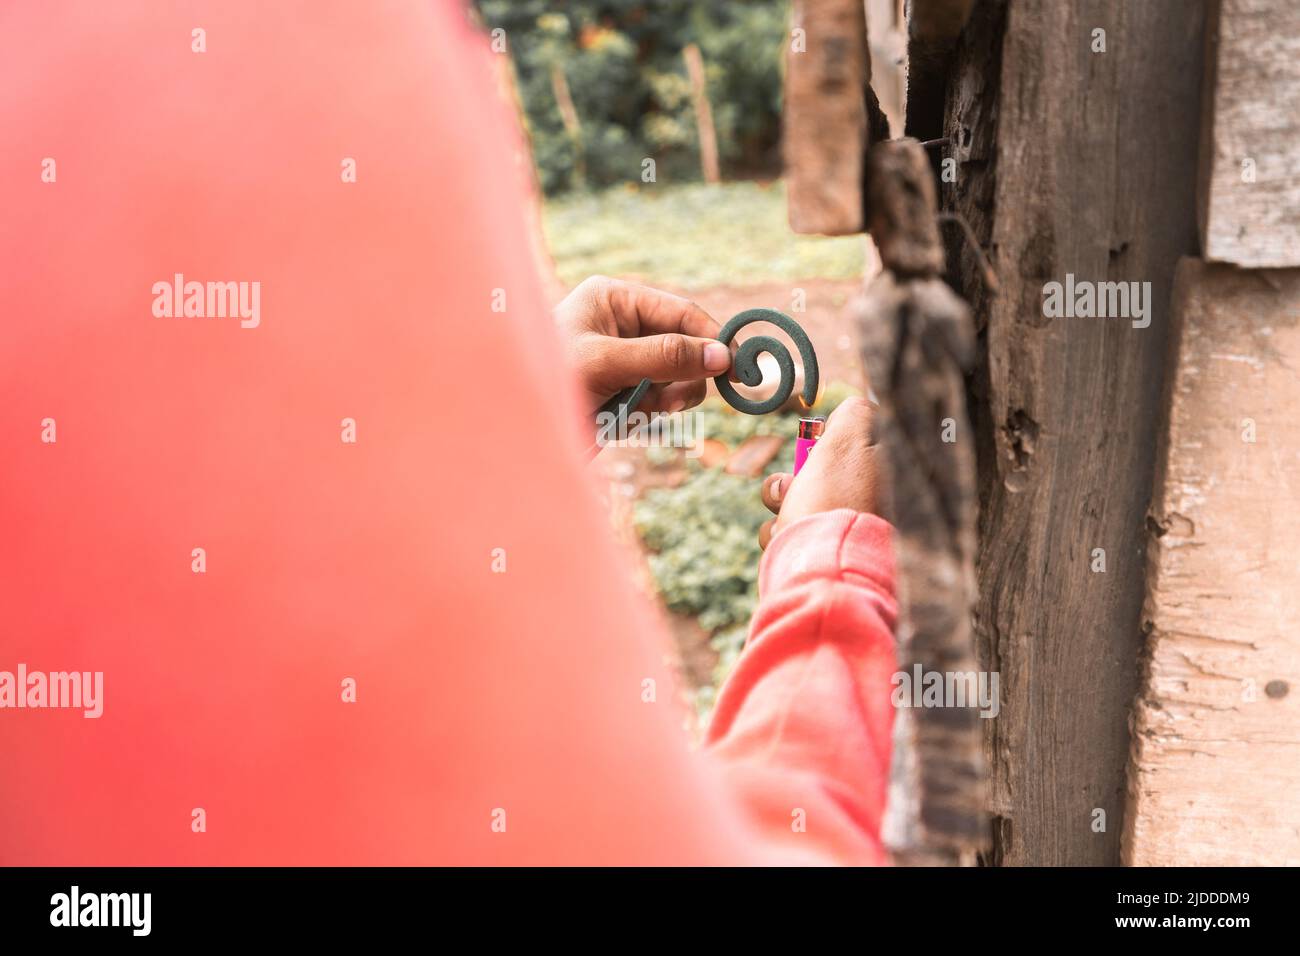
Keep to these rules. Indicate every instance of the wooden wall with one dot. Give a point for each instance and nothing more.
(1139, 482)
(1070, 160)
(1215, 774)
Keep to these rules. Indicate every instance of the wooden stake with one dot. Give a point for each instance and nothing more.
(703, 114)
(569, 116)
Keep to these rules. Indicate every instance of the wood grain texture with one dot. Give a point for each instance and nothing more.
(825, 116)
(1215, 778)
(1250, 192)
(900, 210)
(1083, 163)
(917, 344)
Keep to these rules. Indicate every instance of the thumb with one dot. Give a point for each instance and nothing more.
(618, 363)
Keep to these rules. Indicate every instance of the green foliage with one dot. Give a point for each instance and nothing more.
(703, 535)
(691, 237)
(623, 63)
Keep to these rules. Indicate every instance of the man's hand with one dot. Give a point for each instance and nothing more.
(842, 471)
(616, 334)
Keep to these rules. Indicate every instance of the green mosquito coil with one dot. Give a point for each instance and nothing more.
(746, 368)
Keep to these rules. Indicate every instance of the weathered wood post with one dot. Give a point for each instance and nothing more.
(843, 177)
(917, 344)
(1136, 543)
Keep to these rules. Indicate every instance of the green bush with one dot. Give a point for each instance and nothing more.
(623, 63)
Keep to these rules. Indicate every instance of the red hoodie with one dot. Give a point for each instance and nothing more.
(334, 554)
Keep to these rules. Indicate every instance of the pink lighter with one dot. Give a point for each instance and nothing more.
(810, 429)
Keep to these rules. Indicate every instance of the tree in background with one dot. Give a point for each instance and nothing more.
(604, 85)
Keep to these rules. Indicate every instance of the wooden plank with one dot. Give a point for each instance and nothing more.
(1078, 165)
(917, 344)
(1250, 195)
(825, 134)
(1215, 778)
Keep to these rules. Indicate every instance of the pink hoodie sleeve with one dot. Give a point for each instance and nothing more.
(802, 726)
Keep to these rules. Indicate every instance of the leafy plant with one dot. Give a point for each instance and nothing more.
(622, 61)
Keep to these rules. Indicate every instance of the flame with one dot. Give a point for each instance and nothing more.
(803, 403)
